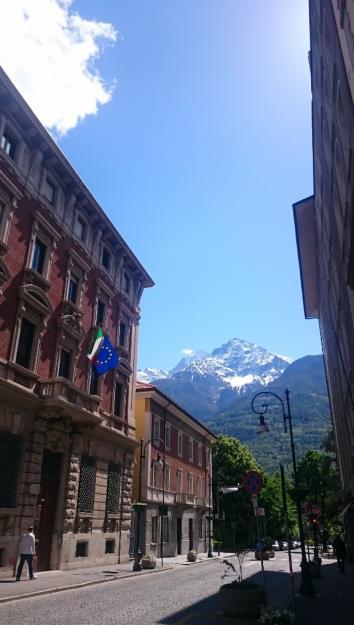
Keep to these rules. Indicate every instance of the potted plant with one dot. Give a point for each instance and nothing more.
(276, 617)
(192, 555)
(148, 561)
(240, 598)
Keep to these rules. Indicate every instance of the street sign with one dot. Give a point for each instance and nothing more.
(259, 511)
(252, 482)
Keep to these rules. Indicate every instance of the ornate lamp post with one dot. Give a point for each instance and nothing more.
(306, 586)
(158, 444)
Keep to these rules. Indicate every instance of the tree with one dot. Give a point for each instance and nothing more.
(318, 473)
(231, 461)
(272, 500)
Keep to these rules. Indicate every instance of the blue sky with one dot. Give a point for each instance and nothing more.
(200, 152)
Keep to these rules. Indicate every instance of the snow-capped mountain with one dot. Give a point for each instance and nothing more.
(205, 385)
(149, 375)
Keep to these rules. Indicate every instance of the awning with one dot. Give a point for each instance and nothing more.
(344, 512)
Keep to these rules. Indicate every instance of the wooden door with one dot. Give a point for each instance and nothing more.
(190, 534)
(179, 536)
(48, 502)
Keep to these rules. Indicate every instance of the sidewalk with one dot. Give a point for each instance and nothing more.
(334, 599)
(48, 582)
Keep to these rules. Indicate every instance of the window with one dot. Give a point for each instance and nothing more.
(86, 496)
(200, 487)
(190, 484)
(8, 144)
(180, 444)
(155, 474)
(118, 400)
(167, 436)
(64, 364)
(39, 255)
(81, 549)
(25, 343)
(94, 382)
(110, 546)
(190, 450)
(156, 430)
(122, 334)
(106, 258)
(73, 288)
(113, 488)
(154, 528)
(100, 312)
(49, 191)
(126, 283)
(200, 455)
(179, 480)
(80, 228)
(11, 447)
(167, 478)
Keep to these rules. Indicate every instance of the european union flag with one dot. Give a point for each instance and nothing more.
(106, 358)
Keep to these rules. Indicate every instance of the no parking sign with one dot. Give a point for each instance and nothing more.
(252, 482)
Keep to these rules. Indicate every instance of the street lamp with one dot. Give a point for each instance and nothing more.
(306, 586)
(158, 444)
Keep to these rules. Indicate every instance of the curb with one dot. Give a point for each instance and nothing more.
(94, 582)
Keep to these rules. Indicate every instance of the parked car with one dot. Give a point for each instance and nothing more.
(275, 546)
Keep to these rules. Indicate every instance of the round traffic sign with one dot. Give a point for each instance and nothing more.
(252, 482)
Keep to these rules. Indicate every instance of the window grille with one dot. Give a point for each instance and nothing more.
(113, 488)
(86, 496)
(10, 462)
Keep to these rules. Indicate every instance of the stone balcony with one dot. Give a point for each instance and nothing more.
(61, 392)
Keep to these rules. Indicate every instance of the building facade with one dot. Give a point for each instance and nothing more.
(173, 475)
(325, 224)
(67, 436)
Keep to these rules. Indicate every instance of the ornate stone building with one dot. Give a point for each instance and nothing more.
(175, 477)
(67, 436)
(325, 224)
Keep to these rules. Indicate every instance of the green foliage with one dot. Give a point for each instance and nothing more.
(271, 499)
(309, 408)
(318, 473)
(231, 460)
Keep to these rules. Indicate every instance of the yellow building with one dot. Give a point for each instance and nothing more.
(173, 475)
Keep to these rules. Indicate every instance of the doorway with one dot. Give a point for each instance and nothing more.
(190, 527)
(179, 536)
(50, 474)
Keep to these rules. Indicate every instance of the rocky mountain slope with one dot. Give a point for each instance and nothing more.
(205, 385)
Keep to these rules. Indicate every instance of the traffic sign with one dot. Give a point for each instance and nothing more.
(259, 511)
(252, 482)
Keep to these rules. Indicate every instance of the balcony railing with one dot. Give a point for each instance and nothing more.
(62, 389)
(185, 499)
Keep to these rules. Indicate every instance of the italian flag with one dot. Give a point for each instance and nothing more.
(96, 344)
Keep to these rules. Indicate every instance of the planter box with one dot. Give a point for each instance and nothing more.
(265, 555)
(237, 601)
(148, 563)
(192, 557)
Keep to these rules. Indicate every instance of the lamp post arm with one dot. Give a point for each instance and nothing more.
(271, 394)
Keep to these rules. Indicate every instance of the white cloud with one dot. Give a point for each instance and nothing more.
(48, 51)
(188, 352)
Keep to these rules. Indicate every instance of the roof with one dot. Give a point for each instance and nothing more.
(305, 231)
(35, 128)
(145, 387)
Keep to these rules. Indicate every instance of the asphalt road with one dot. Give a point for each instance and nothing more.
(186, 594)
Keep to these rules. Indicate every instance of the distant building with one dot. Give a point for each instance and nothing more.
(67, 436)
(325, 224)
(173, 438)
